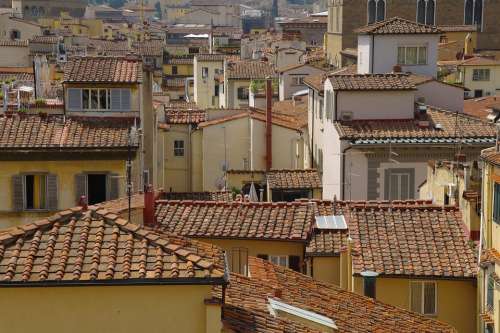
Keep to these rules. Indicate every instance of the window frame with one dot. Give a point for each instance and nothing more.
(496, 203)
(426, 2)
(279, 257)
(417, 61)
(481, 78)
(241, 96)
(389, 172)
(473, 14)
(25, 198)
(179, 151)
(422, 305)
(375, 17)
(298, 80)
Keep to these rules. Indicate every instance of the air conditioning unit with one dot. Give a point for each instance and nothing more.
(346, 116)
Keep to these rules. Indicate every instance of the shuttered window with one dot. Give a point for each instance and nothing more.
(490, 292)
(97, 188)
(121, 100)
(399, 184)
(423, 297)
(239, 260)
(74, 99)
(35, 192)
(496, 203)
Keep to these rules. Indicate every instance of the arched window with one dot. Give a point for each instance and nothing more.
(473, 12)
(426, 11)
(376, 11)
(41, 11)
(34, 11)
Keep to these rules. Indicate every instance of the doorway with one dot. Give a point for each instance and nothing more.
(96, 188)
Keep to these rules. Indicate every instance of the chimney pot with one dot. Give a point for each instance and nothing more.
(149, 218)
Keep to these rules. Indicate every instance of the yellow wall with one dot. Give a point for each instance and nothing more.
(118, 309)
(490, 86)
(326, 269)
(176, 176)
(183, 70)
(65, 171)
(238, 180)
(456, 300)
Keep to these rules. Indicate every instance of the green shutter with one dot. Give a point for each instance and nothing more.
(52, 192)
(18, 193)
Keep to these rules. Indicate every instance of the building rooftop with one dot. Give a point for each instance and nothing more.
(185, 116)
(491, 155)
(13, 43)
(249, 70)
(397, 26)
(457, 28)
(220, 196)
(45, 39)
(28, 132)
(423, 241)
(481, 107)
(365, 82)
(236, 220)
(479, 61)
(103, 70)
(75, 247)
(326, 243)
(210, 57)
(293, 179)
(441, 126)
(246, 306)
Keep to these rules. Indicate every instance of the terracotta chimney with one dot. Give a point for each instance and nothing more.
(397, 69)
(149, 219)
(269, 125)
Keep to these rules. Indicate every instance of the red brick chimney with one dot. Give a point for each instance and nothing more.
(269, 124)
(149, 218)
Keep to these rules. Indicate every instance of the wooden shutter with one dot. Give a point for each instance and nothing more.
(74, 99)
(18, 193)
(126, 104)
(113, 186)
(80, 186)
(52, 192)
(116, 104)
(294, 263)
(429, 298)
(416, 297)
(263, 256)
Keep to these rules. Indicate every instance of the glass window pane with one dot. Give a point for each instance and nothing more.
(429, 298)
(372, 8)
(380, 10)
(430, 12)
(103, 100)
(421, 11)
(468, 11)
(401, 55)
(422, 55)
(411, 55)
(478, 12)
(94, 99)
(85, 98)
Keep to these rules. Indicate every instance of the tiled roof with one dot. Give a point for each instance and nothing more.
(185, 116)
(179, 61)
(45, 39)
(479, 61)
(103, 69)
(457, 28)
(427, 241)
(236, 220)
(54, 132)
(490, 155)
(397, 25)
(249, 70)
(327, 243)
(220, 196)
(317, 82)
(149, 48)
(479, 107)
(293, 179)
(75, 247)
(490, 257)
(14, 43)
(453, 127)
(16, 73)
(210, 57)
(246, 305)
(371, 82)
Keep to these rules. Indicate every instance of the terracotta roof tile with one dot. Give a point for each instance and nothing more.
(490, 155)
(480, 107)
(199, 196)
(45, 39)
(185, 116)
(371, 82)
(293, 179)
(149, 48)
(410, 241)
(490, 257)
(249, 70)
(209, 219)
(210, 57)
(479, 61)
(103, 69)
(453, 127)
(92, 248)
(13, 43)
(246, 305)
(327, 242)
(397, 25)
(28, 132)
(457, 28)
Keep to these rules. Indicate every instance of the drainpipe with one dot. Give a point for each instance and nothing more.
(372, 54)
(269, 125)
(343, 171)
(311, 148)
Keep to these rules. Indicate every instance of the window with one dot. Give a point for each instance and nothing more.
(481, 74)
(297, 80)
(15, 34)
(329, 104)
(496, 203)
(204, 72)
(279, 260)
(399, 184)
(239, 260)
(473, 12)
(99, 99)
(412, 55)
(423, 297)
(490, 292)
(194, 50)
(97, 186)
(369, 286)
(425, 11)
(179, 148)
(35, 192)
(242, 93)
(174, 70)
(376, 11)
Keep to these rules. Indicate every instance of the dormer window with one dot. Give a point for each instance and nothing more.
(103, 99)
(376, 11)
(426, 11)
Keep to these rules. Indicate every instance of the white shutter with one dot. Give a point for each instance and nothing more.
(74, 99)
(116, 99)
(126, 105)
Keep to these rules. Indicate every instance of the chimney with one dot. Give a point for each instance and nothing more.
(83, 203)
(269, 125)
(149, 218)
(397, 69)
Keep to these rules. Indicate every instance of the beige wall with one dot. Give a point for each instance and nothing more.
(176, 171)
(326, 269)
(204, 87)
(28, 30)
(65, 171)
(119, 309)
(456, 299)
(13, 56)
(491, 87)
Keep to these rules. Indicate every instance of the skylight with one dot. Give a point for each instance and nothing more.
(275, 307)
(333, 222)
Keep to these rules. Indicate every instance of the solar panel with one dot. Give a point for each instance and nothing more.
(333, 222)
